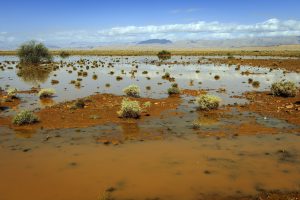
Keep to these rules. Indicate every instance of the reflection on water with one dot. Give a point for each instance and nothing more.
(23, 133)
(210, 119)
(34, 75)
(130, 130)
(47, 102)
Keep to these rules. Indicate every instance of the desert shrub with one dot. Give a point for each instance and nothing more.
(33, 53)
(208, 102)
(166, 75)
(173, 90)
(130, 109)
(132, 91)
(46, 92)
(164, 55)
(64, 54)
(284, 89)
(79, 104)
(12, 92)
(255, 84)
(25, 117)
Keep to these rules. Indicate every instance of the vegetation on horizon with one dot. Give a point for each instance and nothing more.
(164, 55)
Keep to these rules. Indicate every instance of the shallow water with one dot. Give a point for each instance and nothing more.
(185, 75)
(163, 157)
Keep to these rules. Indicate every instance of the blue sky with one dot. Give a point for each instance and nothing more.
(63, 21)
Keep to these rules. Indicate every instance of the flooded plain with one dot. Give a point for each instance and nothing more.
(231, 152)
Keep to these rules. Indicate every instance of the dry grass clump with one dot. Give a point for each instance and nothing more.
(25, 117)
(46, 93)
(12, 93)
(130, 109)
(208, 102)
(284, 89)
(132, 91)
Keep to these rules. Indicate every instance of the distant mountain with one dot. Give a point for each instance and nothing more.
(240, 42)
(156, 41)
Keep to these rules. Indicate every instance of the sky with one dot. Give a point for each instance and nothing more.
(120, 21)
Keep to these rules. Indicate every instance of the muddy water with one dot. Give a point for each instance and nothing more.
(159, 158)
(188, 167)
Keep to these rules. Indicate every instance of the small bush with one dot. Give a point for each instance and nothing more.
(284, 89)
(64, 54)
(25, 117)
(79, 104)
(164, 55)
(132, 91)
(255, 84)
(173, 90)
(33, 53)
(208, 102)
(130, 109)
(45, 93)
(12, 93)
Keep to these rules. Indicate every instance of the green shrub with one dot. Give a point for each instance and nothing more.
(132, 91)
(33, 53)
(130, 109)
(45, 93)
(173, 90)
(208, 102)
(164, 55)
(284, 89)
(25, 117)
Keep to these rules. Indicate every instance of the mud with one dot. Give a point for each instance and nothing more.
(269, 105)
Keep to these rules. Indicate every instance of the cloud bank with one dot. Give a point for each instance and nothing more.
(174, 32)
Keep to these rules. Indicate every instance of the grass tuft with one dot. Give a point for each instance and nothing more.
(284, 89)
(25, 117)
(208, 102)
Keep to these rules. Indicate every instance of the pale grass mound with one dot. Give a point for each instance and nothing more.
(130, 109)
(132, 91)
(208, 102)
(46, 93)
(284, 89)
(12, 92)
(25, 117)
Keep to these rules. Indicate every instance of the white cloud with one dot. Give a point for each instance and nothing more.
(174, 32)
(5, 37)
(270, 27)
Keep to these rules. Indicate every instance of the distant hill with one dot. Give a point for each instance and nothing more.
(156, 41)
(240, 42)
